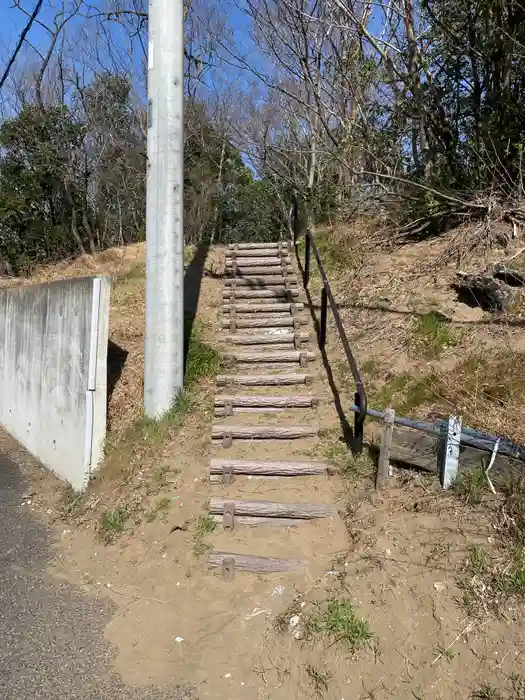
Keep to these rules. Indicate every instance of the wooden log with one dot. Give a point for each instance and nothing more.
(252, 521)
(272, 509)
(266, 339)
(266, 322)
(275, 401)
(268, 468)
(259, 281)
(262, 308)
(255, 564)
(282, 356)
(262, 432)
(219, 478)
(275, 293)
(422, 450)
(275, 261)
(253, 246)
(264, 366)
(257, 253)
(482, 290)
(263, 379)
(274, 346)
(224, 412)
(255, 271)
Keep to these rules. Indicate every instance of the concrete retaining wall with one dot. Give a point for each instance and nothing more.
(53, 372)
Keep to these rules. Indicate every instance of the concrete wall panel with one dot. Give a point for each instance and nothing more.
(53, 375)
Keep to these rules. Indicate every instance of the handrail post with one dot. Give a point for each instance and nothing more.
(306, 274)
(324, 314)
(295, 218)
(359, 424)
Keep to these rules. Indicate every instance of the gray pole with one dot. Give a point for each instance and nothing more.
(164, 348)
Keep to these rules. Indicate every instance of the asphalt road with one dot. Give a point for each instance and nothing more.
(52, 642)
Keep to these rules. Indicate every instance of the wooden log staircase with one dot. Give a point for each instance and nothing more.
(270, 405)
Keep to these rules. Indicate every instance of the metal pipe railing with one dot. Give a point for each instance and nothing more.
(469, 436)
(327, 299)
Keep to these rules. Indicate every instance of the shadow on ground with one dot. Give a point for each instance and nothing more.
(116, 360)
(193, 275)
(346, 428)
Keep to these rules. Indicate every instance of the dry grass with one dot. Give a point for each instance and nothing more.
(420, 350)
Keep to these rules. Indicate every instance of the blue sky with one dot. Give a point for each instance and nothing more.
(12, 22)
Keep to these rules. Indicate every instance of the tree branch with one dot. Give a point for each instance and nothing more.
(21, 40)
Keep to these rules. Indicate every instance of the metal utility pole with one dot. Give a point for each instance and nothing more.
(164, 350)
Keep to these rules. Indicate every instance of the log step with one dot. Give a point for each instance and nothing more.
(260, 281)
(253, 246)
(263, 308)
(253, 563)
(275, 261)
(264, 366)
(224, 412)
(271, 509)
(257, 253)
(263, 379)
(263, 322)
(236, 400)
(267, 339)
(228, 433)
(254, 271)
(271, 347)
(268, 468)
(275, 293)
(300, 356)
(253, 521)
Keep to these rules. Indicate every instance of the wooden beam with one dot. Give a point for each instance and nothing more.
(276, 356)
(255, 564)
(225, 412)
(256, 253)
(255, 271)
(262, 308)
(253, 246)
(277, 401)
(264, 366)
(266, 339)
(264, 379)
(259, 281)
(272, 509)
(272, 293)
(262, 432)
(268, 468)
(252, 521)
(421, 450)
(275, 261)
(264, 322)
(270, 347)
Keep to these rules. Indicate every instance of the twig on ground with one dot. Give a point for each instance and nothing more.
(516, 255)
(467, 629)
(135, 595)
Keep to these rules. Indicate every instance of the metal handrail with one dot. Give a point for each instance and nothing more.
(327, 298)
(469, 436)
